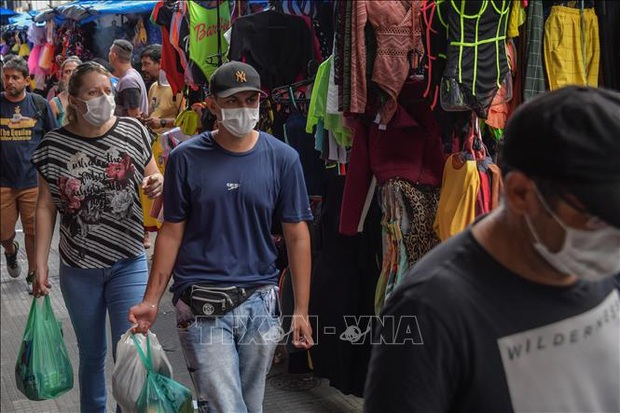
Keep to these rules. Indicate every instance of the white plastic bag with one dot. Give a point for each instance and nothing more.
(129, 372)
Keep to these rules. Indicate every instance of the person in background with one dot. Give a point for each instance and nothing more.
(59, 102)
(24, 119)
(223, 190)
(90, 171)
(103, 62)
(521, 311)
(131, 96)
(164, 106)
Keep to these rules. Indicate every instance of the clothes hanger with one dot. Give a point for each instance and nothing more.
(286, 93)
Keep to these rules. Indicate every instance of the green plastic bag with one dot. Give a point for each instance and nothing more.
(43, 369)
(161, 394)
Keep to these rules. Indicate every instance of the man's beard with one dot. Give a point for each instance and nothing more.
(61, 87)
(15, 92)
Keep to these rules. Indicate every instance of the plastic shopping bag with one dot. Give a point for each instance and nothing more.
(161, 394)
(43, 369)
(129, 373)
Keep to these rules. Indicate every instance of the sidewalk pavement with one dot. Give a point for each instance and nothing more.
(283, 393)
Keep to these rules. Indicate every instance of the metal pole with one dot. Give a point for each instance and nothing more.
(219, 35)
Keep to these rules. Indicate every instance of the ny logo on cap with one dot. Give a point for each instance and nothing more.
(240, 74)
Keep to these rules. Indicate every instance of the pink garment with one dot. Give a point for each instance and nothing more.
(483, 202)
(398, 31)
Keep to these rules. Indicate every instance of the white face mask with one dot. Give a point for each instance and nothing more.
(239, 122)
(588, 254)
(99, 110)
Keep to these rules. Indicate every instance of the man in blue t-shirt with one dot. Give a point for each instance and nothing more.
(222, 192)
(24, 119)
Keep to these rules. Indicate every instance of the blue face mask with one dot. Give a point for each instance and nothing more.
(587, 254)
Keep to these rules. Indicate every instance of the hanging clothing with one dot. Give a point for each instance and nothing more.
(323, 25)
(170, 59)
(313, 167)
(408, 215)
(516, 19)
(204, 45)
(608, 13)
(180, 32)
(483, 200)
(435, 39)
(344, 277)
(500, 108)
(409, 148)
(322, 90)
(571, 46)
(421, 203)
(277, 45)
(534, 73)
(477, 63)
(398, 32)
(459, 192)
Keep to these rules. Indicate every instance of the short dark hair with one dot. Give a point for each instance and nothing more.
(17, 63)
(153, 52)
(123, 49)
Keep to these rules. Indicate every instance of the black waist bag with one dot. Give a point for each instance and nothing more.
(210, 301)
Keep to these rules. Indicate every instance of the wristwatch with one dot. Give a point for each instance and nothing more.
(163, 123)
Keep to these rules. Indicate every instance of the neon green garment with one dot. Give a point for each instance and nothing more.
(203, 35)
(318, 100)
(318, 108)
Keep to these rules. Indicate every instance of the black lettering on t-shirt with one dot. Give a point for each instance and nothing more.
(515, 351)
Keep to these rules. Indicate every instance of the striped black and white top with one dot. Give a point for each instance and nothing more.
(94, 183)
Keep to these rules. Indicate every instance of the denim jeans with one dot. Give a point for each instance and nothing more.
(228, 357)
(89, 294)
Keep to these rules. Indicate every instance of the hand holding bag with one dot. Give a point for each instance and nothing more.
(130, 373)
(43, 369)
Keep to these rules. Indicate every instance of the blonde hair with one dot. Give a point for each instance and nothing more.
(75, 83)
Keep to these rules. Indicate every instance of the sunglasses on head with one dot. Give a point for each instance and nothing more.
(84, 67)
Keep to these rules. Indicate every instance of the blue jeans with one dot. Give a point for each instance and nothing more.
(228, 357)
(89, 294)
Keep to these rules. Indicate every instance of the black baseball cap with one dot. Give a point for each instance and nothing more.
(234, 77)
(571, 137)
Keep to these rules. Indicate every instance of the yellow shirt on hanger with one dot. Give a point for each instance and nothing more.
(457, 201)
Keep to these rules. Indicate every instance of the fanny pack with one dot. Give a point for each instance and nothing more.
(207, 300)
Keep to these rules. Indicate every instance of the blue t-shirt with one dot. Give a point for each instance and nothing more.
(22, 125)
(228, 202)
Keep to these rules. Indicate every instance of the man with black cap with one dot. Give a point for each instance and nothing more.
(521, 311)
(222, 192)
